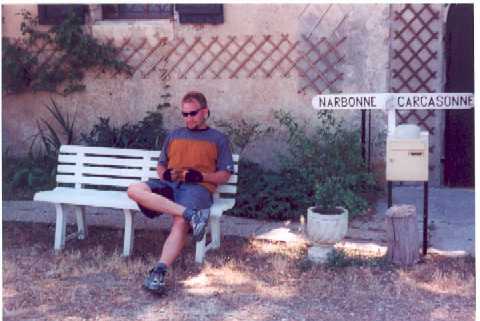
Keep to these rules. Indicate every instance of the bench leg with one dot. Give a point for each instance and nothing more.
(215, 232)
(81, 222)
(129, 233)
(200, 249)
(60, 228)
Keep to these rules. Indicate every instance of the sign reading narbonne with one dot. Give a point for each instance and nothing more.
(394, 100)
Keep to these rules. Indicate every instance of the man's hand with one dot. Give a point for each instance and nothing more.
(193, 176)
(188, 176)
(173, 175)
(167, 175)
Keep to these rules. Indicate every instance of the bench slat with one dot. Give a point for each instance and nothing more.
(230, 189)
(109, 171)
(108, 151)
(106, 171)
(122, 182)
(106, 161)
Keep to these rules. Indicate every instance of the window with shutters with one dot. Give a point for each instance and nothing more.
(54, 14)
(137, 11)
(200, 13)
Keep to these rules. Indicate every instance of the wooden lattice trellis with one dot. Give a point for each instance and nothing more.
(317, 62)
(414, 48)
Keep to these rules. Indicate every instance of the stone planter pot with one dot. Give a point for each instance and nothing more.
(327, 228)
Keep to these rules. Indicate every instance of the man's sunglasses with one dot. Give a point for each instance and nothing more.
(192, 113)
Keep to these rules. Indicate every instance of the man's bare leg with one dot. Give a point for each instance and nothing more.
(175, 241)
(142, 194)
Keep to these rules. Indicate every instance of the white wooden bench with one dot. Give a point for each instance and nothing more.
(99, 176)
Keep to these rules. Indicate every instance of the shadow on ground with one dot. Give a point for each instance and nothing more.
(244, 280)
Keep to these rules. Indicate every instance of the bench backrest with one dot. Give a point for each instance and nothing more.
(115, 168)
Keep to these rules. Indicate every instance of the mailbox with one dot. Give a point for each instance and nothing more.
(407, 154)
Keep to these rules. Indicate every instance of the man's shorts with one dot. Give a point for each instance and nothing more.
(193, 196)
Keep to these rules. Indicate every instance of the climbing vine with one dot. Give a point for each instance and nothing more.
(76, 52)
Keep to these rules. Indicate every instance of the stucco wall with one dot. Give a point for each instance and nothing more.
(365, 67)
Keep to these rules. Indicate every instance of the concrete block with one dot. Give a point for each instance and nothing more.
(319, 253)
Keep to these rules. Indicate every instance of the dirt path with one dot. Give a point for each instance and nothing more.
(244, 280)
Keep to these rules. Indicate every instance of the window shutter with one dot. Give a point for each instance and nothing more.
(200, 13)
(50, 14)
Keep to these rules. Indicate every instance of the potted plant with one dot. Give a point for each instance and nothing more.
(327, 221)
(324, 163)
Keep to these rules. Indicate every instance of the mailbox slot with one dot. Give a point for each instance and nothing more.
(416, 153)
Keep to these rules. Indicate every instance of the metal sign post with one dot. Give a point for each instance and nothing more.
(391, 102)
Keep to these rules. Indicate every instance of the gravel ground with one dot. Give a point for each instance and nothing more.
(244, 280)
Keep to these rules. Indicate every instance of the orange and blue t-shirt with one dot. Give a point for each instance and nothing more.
(205, 150)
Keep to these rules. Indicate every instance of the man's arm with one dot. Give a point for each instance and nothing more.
(218, 178)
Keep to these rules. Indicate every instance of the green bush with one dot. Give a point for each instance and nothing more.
(324, 167)
(327, 164)
(149, 133)
(243, 133)
(23, 176)
(265, 194)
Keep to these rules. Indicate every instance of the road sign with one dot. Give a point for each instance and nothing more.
(394, 100)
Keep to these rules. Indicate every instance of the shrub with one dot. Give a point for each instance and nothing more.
(265, 194)
(327, 164)
(323, 168)
(149, 133)
(23, 176)
(243, 132)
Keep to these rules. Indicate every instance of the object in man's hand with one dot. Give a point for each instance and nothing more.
(178, 175)
(193, 176)
(174, 175)
(167, 175)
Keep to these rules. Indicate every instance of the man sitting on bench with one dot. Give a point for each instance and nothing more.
(195, 159)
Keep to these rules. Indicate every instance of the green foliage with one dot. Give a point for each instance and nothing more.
(76, 52)
(36, 171)
(328, 193)
(17, 67)
(324, 167)
(24, 176)
(326, 164)
(149, 133)
(50, 139)
(265, 194)
(243, 132)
